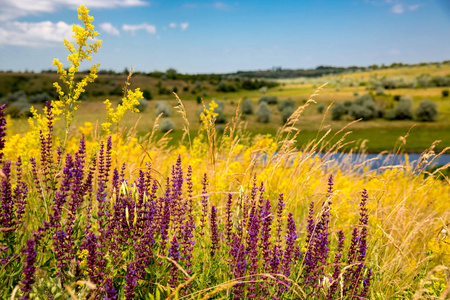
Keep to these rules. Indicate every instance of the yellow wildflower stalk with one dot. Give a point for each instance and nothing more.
(69, 96)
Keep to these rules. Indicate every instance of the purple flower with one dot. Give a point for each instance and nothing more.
(214, 231)
(2, 130)
(175, 255)
(229, 222)
(291, 237)
(277, 252)
(165, 223)
(7, 204)
(239, 264)
(358, 250)
(265, 244)
(316, 257)
(20, 193)
(29, 268)
(130, 282)
(366, 284)
(109, 290)
(204, 201)
(252, 248)
(337, 266)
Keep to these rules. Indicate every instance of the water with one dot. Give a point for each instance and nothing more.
(376, 161)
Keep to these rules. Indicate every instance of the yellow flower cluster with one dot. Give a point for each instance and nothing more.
(128, 104)
(82, 256)
(208, 114)
(69, 99)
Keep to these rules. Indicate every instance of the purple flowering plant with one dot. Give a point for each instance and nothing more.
(129, 238)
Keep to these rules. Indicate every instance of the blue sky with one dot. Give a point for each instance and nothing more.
(226, 36)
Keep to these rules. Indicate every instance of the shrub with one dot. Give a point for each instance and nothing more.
(263, 112)
(268, 99)
(396, 97)
(117, 91)
(40, 98)
(426, 111)
(19, 109)
(320, 108)
(164, 91)
(379, 91)
(247, 107)
(402, 111)
(367, 111)
(286, 103)
(198, 84)
(163, 108)
(337, 111)
(441, 81)
(263, 90)
(166, 125)
(142, 105)
(347, 105)
(424, 81)
(226, 87)
(221, 104)
(13, 97)
(147, 94)
(98, 93)
(445, 93)
(287, 113)
(364, 108)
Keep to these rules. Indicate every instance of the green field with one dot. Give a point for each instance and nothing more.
(379, 134)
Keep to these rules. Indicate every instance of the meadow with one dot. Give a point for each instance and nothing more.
(377, 134)
(96, 203)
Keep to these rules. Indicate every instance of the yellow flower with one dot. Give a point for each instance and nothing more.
(69, 96)
(128, 104)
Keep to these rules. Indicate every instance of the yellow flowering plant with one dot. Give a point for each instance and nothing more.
(69, 97)
(129, 103)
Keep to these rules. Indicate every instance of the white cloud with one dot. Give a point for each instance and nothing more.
(13, 9)
(173, 25)
(109, 28)
(34, 34)
(397, 9)
(220, 5)
(414, 7)
(217, 5)
(184, 26)
(144, 26)
(400, 8)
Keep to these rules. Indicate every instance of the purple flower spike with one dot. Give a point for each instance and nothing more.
(7, 204)
(204, 200)
(229, 222)
(175, 255)
(2, 130)
(291, 237)
(29, 269)
(20, 193)
(239, 264)
(277, 252)
(337, 266)
(109, 290)
(130, 282)
(214, 231)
